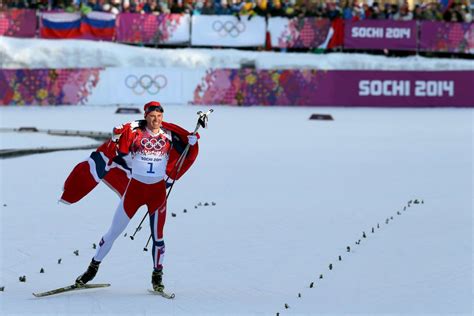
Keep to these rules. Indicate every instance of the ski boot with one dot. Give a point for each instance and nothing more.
(89, 274)
(157, 280)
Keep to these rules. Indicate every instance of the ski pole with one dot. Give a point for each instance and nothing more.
(146, 246)
(202, 122)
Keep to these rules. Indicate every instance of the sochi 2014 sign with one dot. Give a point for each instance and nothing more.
(368, 34)
(406, 88)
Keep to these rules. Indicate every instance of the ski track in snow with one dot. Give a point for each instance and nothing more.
(291, 194)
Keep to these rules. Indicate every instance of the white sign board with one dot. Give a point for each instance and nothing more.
(227, 30)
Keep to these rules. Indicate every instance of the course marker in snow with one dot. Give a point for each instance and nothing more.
(348, 249)
(321, 117)
(128, 111)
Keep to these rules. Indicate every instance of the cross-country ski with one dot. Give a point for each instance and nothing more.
(70, 288)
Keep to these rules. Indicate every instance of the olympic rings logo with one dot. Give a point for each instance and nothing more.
(153, 143)
(228, 28)
(146, 83)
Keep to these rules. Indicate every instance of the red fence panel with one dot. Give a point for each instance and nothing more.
(18, 23)
(153, 29)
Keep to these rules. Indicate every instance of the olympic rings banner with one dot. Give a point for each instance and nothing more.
(153, 29)
(299, 33)
(18, 23)
(134, 85)
(227, 30)
(447, 37)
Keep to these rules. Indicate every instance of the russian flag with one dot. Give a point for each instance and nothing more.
(60, 25)
(98, 25)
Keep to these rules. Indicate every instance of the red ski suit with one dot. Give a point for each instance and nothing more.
(148, 159)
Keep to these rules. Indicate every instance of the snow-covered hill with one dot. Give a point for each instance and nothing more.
(40, 53)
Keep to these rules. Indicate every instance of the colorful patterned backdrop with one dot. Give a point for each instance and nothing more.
(312, 87)
(304, 33)
(47, 86)
(258, 87)
(447, 37)
(18, 23)
(148, 28)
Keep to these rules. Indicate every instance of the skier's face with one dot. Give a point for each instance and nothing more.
(153, 120)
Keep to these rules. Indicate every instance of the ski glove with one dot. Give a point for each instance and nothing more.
(192, 139)
(118, 130)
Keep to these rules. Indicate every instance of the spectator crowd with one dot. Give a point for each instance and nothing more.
(458, 11)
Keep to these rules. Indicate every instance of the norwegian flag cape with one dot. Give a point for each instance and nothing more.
(101, 166)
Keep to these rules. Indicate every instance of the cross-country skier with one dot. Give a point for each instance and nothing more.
(152, 149)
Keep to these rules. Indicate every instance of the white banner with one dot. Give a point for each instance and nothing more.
(227, 30)
(138, 86)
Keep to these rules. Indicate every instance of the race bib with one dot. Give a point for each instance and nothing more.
(149, 165)
(150, 155)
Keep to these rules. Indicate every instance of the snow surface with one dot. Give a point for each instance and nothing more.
(291, 194)
(41, 53)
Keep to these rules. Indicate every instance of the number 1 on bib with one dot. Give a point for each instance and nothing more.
(151, 168)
